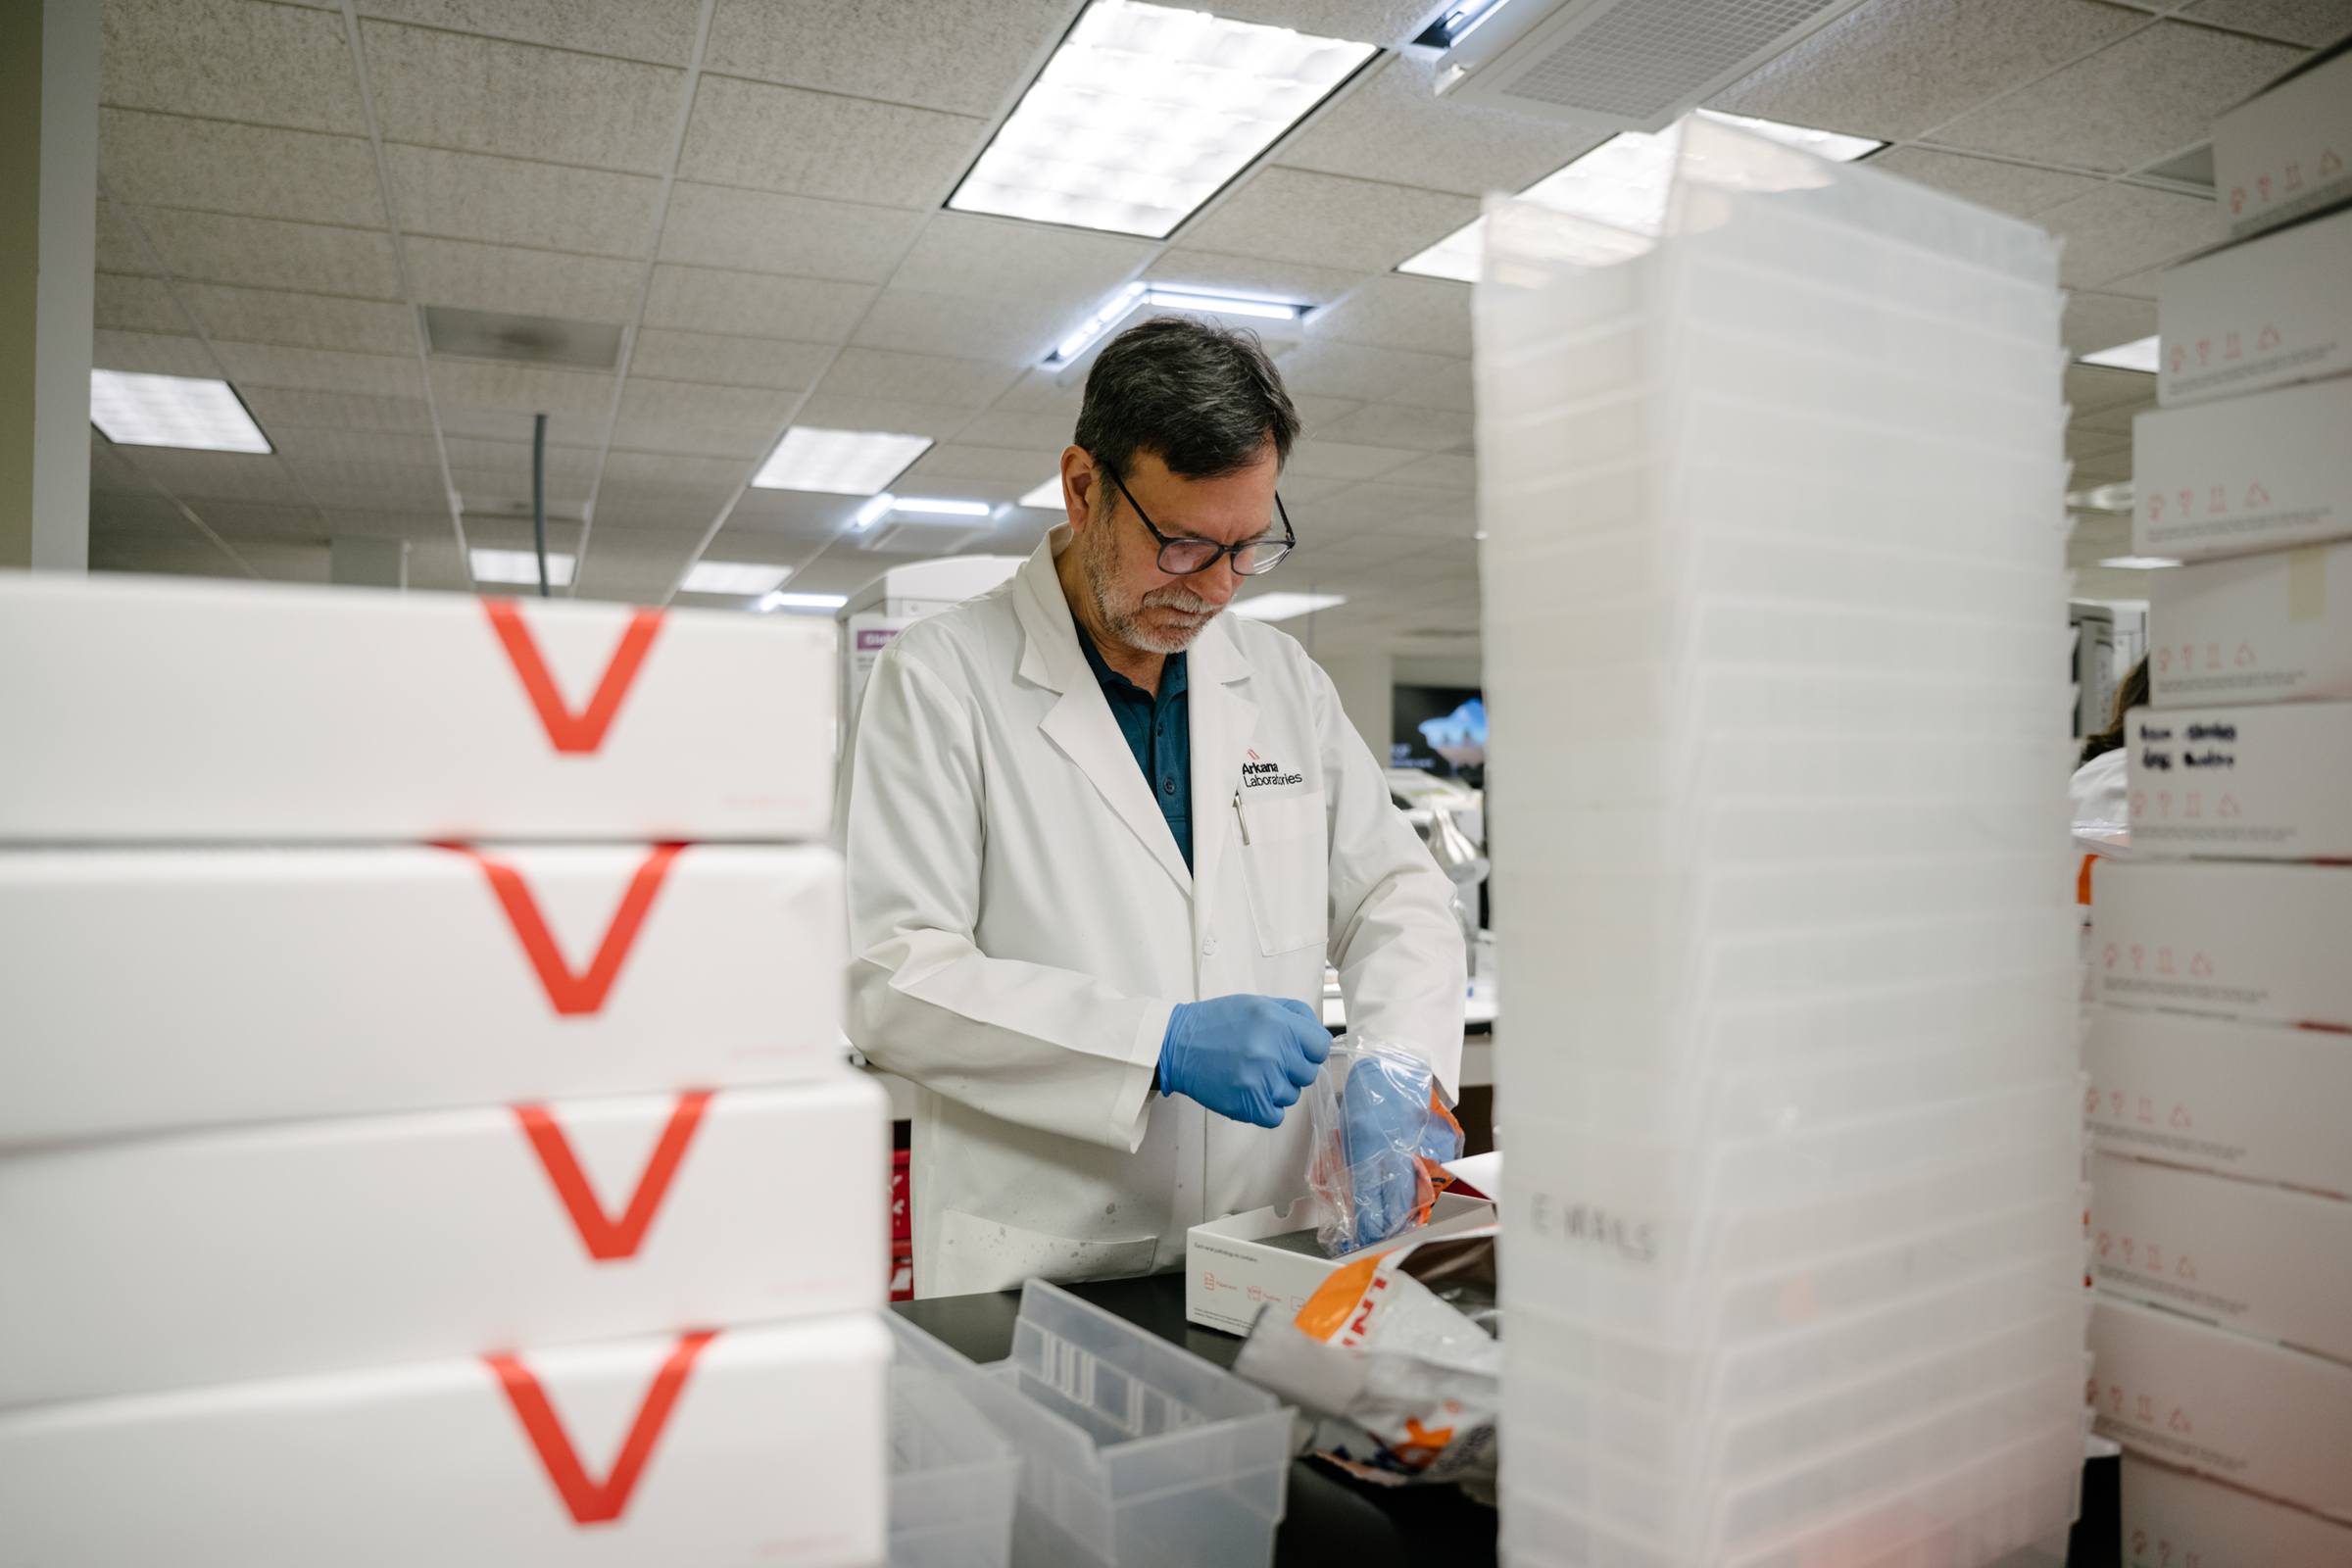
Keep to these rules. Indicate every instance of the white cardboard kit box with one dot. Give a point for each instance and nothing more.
(2248, 1099)
(2173, 1519)
(2253, 628)
(1268, 1257)
(148, 709)
(2287, 151)
(2261, 472)
(2262, 313)
(2258, 941)
(2264, 782)
(2244, 1255)
(138, 1265)
(2241, 1410)
(753, 1446)
(157, 988)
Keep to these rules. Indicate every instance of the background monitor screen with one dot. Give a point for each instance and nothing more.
(1440, 730)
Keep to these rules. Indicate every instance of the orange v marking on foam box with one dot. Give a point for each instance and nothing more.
(583, 731)
(594, 1502)
(606, 1238)
(574, 993)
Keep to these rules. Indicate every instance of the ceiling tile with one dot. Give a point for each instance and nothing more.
(1387, 22)
(632, 504)
(760, 231)
(415, 526)
(1393, 127)
(2086, 445)
(2093, 387)
(373, 482)
(118, 247)
(474, 422)
(727, 360)
(528, 388)
(236, 475)
(449, 89)
(1393, 425)
(830, 411)
(2121, 230)
(2012, 188)
(916, 377)
(1044, 391)
(1291, 215)
(247, 170)
(2310, 23)
(937, 324)
(238, 521)
(684, 470)
(150, 352)
(711, 421)
(965, 59)
(955, 461)
(527, 282)
(276, 406)
(1253, 275)
(321, 444)
(1041, 436)
(136, 305)
(803, 309)
(1459, 474)
(508, 202)
(1328, 368)
(2129, 104)
(1424, 314)
(1314, 412)
(661, 31)
(1896, 69)
(230, 60)
(995, 257)
(1339, 459)
(265, 253)
(302, 320)
(823, 144)
(2115, 419)
(2095, 321)
(320, 371)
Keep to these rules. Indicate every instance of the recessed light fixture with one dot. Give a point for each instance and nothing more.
(1145, 112)
(2141, 353)
(519, 565)
(1138, 297)
(1622, 183)
(926, 507)
(2139, 563)
(2116, 497)
(1046, 497)
(804, 603)
(1283, 606)
(172, 411)
(732, 577)
(840, 462)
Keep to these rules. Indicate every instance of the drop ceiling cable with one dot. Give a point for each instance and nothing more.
(539, 502)
(407, 289)
(645, 290)
(188, 512)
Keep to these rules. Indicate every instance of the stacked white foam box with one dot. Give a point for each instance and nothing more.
(1774, 593)
(2222, 1198)
(423, 1129)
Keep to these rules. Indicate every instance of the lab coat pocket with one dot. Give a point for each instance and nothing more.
(979, 1254)
(1286, 852)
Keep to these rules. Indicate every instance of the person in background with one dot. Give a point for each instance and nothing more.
(2098, 789)
(1101, 840)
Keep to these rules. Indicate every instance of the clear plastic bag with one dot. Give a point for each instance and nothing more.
(1381, 1134)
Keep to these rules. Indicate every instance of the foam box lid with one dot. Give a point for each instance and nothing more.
(751, 1446)
(156, 988)
(2258, 941)
(2265, 311)
(2261, 628)
(2267, 783)
(2248, 1100)
(142, 709)
(311, 1247)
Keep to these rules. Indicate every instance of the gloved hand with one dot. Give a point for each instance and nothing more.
(1395, 1133)
(1243, 1057)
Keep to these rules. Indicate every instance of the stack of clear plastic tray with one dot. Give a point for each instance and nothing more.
(1775, 648)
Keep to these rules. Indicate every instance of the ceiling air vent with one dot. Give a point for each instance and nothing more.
(521, 339)
(1621, 65)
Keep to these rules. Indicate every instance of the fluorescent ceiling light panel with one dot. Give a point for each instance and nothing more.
(1145, 112)
(1046, 497)
(804, 603)
(924, 506)
(2139, 563)
(2140, 355)
(1136, 298)
(840, 462)
(172, 411)
(519, 565)
(732, 577)
(1284, 607)
(1622, 183)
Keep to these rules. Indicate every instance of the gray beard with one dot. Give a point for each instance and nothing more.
(1124, 625)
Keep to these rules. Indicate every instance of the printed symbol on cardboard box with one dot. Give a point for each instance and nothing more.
(2232, 349)
(608, 1238)
(572, 732)
(2330, 164)
(2186, 1269)
(2181, 1119)
(2294, 177)
(574, 993)
(2255, 496)
(2244, 655)
(2200, 966)
(2228, 806)
(589, 1501)
(2269, 338)
(2179, 1421)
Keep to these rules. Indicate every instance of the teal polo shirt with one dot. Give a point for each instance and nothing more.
(1160, 732)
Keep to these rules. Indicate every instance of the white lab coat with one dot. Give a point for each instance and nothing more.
(1021, 924)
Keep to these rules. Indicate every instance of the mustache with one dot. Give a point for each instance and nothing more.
(1180, 600)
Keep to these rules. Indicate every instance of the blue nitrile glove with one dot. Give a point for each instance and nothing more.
(1243, 1057)
(1390, 1127)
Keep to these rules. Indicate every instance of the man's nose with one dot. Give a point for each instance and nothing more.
(1219, 583)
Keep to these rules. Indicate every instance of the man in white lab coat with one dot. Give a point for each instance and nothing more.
(1101, 839)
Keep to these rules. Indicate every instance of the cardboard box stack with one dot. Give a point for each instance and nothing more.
(2221, 1057)
(1794, 1206)
(423, 1134)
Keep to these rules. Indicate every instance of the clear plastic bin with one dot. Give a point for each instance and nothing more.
(953, 1477)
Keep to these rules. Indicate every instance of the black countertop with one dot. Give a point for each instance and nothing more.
(1332, 1518)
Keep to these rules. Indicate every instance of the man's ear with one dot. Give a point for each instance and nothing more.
(1079, 477)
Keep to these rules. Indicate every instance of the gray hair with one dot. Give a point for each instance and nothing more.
(1203, 399)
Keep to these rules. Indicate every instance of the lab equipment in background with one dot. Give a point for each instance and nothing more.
(898, 599)
(2093, 665)
(1452, 819)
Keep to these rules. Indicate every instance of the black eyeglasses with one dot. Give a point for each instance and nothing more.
(1186, 558)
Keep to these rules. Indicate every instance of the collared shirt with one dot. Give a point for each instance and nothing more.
(1159, 731)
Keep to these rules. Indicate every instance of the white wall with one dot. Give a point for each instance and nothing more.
(1363, 680)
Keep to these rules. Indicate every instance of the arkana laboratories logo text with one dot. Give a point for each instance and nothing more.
(1258, 774)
